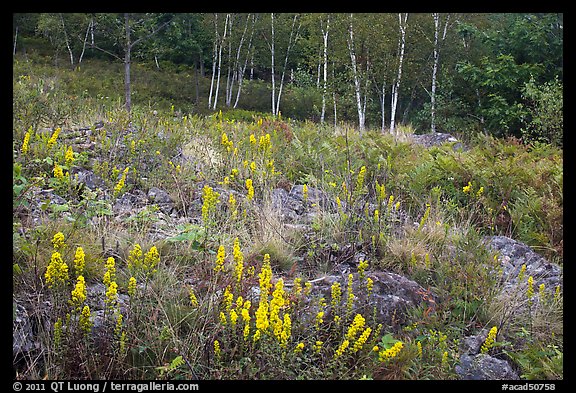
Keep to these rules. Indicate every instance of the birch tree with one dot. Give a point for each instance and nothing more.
(360, 102)
(437, 42)
(294, 35)
(325, 30)
(402, 19)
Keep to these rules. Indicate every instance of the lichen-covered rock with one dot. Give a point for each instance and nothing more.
(23, 336)
(513, 255)
(484, 367)
(437, 139)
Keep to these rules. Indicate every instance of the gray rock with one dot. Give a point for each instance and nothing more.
(437, 139)
(484, 367)
(23, 336)
(159, 196)
(513, 254)
(86, 177)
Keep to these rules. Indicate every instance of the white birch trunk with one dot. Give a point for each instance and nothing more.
(66, 40)
(243, 69)
(325, 52)
(350, 42)
(436, 17)
(383, 106)
(396, 86)
(220, 62)
(85, 40)
(273, 76)
(290, 44)
(214, 59)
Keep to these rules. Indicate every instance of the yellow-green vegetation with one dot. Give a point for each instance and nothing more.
(229, 290)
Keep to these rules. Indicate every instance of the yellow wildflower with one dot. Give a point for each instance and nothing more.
(151, 260)
(193, 298)
(57, 271)
(26, 141)
(530, 291)
(419, 346)
(390, 353)
(79, 292)
(253, 140)
(220, 256)
(250, 189)
(361, 340)
(79, 261)
(209, 201)
(362, 266)
(135, 257)
(341, 349)
(217, 346)
(69, 156)
(305, 192)
(336, 294)
(58, 241)
(489, 340)
(467, 189)
(85, 322)
(239, 260)
(110, 274)
(112, 294)
(318, 320)
(131, 287)
(317, 346)
(53, 138)
(356, 325)
(57, 333)
(233, 317)
(299, 347)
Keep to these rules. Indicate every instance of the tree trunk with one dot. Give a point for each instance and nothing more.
(127, 54)
(325, 52)
(396, 86)
(220, 61)
(290, 44)
(383, 106)
(243, 70)
(272, 66)
(15, 39)
(437, 41)
(67, 41)
(359, 106)
(214, 59)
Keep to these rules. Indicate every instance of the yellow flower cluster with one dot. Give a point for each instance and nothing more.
(209, 201)
(489, 340)
(132, 287)
(350, 294)
(135, 257)
(79, 293)
(390, 353)
(317, 347)
(359, 344)
(112, 295)
(341, 349)
(305, 192)
(336, 295)
(110, 273)
(362, 266)
(380, 192)
(69, 156)
(250, 189)
(264, 143)
(58, 241)
(238, 260)
(85, 322)
(57, 271)
(253, 141)
(318, 320)
(360, 179)
(220, 256)
(121, 183)
(217, 351)
(52, 140)
(530, 290)
(151, 260)
(299, 347)
(26, 141)
(369, 285)
(57, 333)
(79, 261)
(227, 143)
(356, 325)
(467, 189)
(58, 172)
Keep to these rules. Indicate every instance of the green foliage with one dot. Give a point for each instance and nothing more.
(545, 105)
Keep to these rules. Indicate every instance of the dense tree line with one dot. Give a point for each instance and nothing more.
(500, 74)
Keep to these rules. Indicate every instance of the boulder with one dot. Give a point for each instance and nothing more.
(484, 367)
(437, 139)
